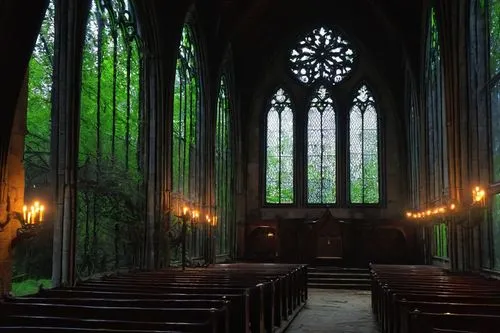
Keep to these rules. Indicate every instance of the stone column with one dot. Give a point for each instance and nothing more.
(453, 18)
(70, 26)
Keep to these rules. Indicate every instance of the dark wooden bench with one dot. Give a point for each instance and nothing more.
(405, 297)
(202, 319)
(408, 308)
(439, 330)
(424, 322)
(256, 295)
(246, 298)
(239, 303)
(275, 293)
(50, 329)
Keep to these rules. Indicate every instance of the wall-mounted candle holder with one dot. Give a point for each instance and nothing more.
(31, 218)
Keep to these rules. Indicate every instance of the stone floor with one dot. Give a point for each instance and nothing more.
(335, 311)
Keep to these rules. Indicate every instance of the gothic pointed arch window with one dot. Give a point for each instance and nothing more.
(436, 117)
(322, 55)
(186, 120)
(334, 158)
(224, 168)
(364, 184)
(437, 161)
(109, 165)
(321, 149)
(279, 174)
(32, 260)
(492, 241)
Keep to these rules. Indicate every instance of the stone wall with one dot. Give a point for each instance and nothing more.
(15, 191)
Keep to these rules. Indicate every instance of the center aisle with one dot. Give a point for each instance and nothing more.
(335, 311)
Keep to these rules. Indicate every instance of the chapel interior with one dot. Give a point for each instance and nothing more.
(203, 165)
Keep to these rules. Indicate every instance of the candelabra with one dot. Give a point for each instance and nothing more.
(471, 213)
(189, 217)
(30, 219)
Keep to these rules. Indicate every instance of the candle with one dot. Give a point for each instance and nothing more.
(185, 210)
(25, 209)
(29, 217)
(42, 208)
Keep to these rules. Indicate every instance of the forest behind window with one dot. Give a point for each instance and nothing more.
(364, 149)
(321, 149)
(333, 157)
(438, 192)
(280, 150)
(186, 175)
(224, 170)
(110, 221)
(493, 10)
(33, 257)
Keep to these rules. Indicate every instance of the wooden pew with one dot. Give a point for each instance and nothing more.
(256, 298)
(439, 330)
(408, 308)
(399, 290)
(50, 329)
(424, 322)
(153, 318)
(239, 303)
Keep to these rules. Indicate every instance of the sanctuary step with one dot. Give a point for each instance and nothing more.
(331, 277)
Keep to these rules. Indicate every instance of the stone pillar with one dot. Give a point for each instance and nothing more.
(70, 27)
(453, 18)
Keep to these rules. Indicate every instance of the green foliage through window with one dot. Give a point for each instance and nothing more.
(32, 258)
(436, 117)
(436, 131)
(186, 128)
(364, 149)
(110, 221)
(280, 150)
(321, 149)
(224, 170)
(494, 66)
(440, 240)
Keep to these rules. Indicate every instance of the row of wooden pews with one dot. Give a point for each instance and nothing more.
(226, 298)
(422, 299)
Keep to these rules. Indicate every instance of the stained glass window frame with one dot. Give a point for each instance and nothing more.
(194, 65)
(435, 131)
(187, 179)
(380, 151)
(337, 158)
(109, 132)
(337, 33)
(226, 216)
(492, 224)
(267, 107)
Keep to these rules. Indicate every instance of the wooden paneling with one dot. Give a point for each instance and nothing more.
(329, 240)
